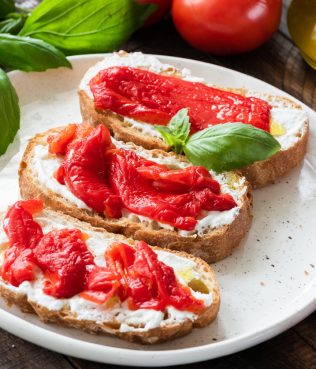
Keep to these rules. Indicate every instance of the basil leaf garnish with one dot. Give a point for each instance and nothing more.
(13, 23)
(6, 7)
(229, 146)
(29, 54)
(86, 26)
(179, 125)
(9, 112)
(177, 131)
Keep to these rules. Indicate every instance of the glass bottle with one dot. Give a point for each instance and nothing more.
(301, 20)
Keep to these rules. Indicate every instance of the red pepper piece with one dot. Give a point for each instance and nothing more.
(57, 144)
(64, 259)
(119, 257)
(101, 286)
(180, 180)
(105, 282)
(137, 275)
(85, 171)
(62, 141)
(155, 98)
(24, 234)
(143, 197)
(32, 206)
(164, 286)
(18, 266)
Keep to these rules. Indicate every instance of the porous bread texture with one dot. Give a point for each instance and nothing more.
(66, 318)
(259, 174)
(212, 246)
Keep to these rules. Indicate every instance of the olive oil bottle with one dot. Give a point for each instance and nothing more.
(301, 20)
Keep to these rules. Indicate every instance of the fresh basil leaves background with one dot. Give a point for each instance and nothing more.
(13, 23)
(86, 26)
(29, 54)
(54, 26)
(177, 131)
(6, 7)
(229, 146)
(9, 112)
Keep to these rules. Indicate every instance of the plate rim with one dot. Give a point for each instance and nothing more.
(123, 356)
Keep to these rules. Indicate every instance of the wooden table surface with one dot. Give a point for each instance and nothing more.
(279, 63)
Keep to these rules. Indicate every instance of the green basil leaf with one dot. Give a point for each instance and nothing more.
(9, 112)
(13, 23)
(230, 146)
(28, 54)
(86, 26)
(6, 7)
(174, 142)
(179, 125)
(177, 131)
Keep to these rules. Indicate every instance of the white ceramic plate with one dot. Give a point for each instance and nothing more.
(267, 285)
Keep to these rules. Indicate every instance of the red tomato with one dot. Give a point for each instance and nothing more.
(163, 7)
(226, 26)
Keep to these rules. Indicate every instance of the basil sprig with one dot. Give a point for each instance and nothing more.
(13, 23)
(9, 112)
(176, 133)
(86, 26)
(6, 7)
(29, 54)
(221, 147)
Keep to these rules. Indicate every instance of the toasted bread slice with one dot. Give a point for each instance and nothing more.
(289, 123)
(214, 238)
(145, 326)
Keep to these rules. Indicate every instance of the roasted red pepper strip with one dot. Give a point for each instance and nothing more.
(155, 98)
(84, 172)
(164, 287)
(107, 179)
(23, 234)
(144, 281)
(64, 259)
(59, 142)
(144, 197)
(178, 181)
(62, 141)
(102, 284)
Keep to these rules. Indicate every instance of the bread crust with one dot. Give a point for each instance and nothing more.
(262, 173)
(259, 174)
(66, 318)
(212, 247)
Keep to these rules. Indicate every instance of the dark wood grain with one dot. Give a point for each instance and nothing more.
(294, 349)
(18, 354)
(307, 330)
(279, 63)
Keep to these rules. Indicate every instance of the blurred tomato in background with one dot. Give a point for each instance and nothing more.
(226, 26)
(163, 7)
